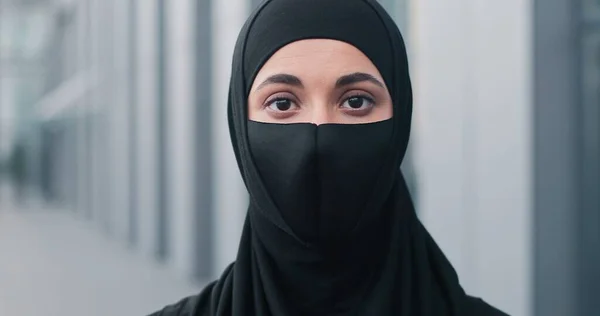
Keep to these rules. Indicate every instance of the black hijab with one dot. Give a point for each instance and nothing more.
(331, 229)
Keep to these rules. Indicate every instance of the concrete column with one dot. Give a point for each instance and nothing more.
(7, 115)
(103, 98)
(230, 196)
(439, 62)
(82, 39)
(95, 104)
(180, 111)
(132, 103)
(146, 116)
(565, 273)
(472, 72)
(119, 120)
(204, 229)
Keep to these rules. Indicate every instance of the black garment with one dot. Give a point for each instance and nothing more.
(331, 229)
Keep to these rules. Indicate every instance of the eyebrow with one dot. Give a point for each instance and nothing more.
(356, 78)
(281, 79)
(345, 80)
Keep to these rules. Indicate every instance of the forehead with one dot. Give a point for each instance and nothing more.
(364, 24)
(319, 48)
(320, 57)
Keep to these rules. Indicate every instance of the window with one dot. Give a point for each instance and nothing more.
(589, 222)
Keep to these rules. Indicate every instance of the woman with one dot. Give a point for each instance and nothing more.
(319, 114)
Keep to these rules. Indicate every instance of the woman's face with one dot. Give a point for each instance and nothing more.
(319, 81)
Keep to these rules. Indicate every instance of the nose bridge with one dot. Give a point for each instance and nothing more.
(321, 112)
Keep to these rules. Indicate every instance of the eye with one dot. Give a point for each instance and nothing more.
(281, 104)
(358, 103)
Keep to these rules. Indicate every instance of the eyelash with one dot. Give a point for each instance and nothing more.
(364, 96)
(270, 101)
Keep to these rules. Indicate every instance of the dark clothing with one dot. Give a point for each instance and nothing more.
(331, 228)
(197, 305)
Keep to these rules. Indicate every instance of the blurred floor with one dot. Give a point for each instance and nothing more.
(52, 264)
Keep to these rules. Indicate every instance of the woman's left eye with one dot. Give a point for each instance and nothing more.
(358, 103)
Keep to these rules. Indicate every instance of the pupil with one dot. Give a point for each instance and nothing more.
(355, 103)
(283, 105)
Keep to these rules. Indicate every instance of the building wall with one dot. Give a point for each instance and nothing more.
(180, 34)
(567, 173)
(473, 104)
(7, 117)
(146, 116)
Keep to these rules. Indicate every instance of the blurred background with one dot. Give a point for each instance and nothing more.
(119, 191)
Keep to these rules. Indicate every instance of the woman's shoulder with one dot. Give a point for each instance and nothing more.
(199, 304)
(188, 306)
(477, 306)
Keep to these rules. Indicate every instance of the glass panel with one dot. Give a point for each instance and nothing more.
(591, 108)
(163, 216)
(591, 10)
(591, 86)
(590, 224)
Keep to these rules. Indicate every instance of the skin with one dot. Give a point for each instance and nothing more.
(319, 81)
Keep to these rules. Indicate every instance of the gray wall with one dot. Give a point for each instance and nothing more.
(146, 114)
(204, 229)
(557, 158)
(589, 239)
(471, 65)
(567, 187)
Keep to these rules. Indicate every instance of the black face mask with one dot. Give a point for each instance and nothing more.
(320, 177)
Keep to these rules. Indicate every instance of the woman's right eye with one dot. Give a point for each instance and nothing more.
(281, 105)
